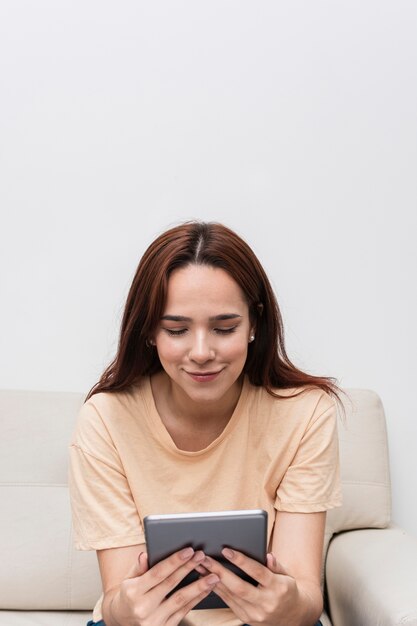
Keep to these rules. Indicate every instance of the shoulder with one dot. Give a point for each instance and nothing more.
(306, 395)
(104, 401)
(296, 404)
(102, 411)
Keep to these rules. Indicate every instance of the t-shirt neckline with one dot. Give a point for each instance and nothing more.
(165, 438)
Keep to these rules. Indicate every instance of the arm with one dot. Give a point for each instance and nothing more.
(289, 591)
(115, 565)
(297, 543)
(135, 594)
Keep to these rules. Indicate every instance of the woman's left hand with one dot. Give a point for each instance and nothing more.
(274, 602)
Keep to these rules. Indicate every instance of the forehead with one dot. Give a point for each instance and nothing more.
(202, 288)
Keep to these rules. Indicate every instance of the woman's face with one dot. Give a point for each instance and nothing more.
(202, 338)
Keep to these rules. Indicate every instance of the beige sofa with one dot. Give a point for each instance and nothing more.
(370, 564)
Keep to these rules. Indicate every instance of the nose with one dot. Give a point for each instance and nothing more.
(201, 349)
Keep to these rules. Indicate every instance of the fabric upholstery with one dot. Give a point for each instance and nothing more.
(371, 578)
(36, 540)
(364, 465)
(44, 618)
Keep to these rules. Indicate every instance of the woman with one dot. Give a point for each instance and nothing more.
(202, 410)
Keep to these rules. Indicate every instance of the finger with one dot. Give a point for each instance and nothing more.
(139, 567)
(177, 617)
(232, 582)
(157, 594)
(162, 570)
(275, 566)
(182, 601)
(258, 572)
(240, 607)
(152, 588)
(245, 605)
(176, 577)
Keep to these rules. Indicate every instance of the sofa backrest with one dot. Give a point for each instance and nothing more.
(364, 464)
(41, 570)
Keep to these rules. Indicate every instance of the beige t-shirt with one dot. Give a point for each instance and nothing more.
(274, 454)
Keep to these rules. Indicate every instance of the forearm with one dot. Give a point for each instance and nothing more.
(109, 608)
(310, 604)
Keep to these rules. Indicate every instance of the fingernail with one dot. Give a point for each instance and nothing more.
(274, 561)
(228, 553)
(212, 579)
(186, 553)
(199, 556)
(140, 554)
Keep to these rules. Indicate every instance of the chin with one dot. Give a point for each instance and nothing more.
(208, 392)
(203, 393)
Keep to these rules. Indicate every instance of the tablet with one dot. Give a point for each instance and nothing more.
(244, 530)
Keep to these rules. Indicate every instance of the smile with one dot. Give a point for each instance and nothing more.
(203, 377)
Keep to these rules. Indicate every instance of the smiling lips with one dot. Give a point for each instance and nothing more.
(203, 377)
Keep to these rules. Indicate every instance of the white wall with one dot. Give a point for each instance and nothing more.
(294, 123)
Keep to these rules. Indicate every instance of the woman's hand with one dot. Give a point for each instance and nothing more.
(276, 601)
(141, 599)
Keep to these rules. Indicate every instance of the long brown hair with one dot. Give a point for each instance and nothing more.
(215, 245)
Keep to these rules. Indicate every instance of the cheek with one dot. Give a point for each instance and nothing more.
(237, 348)
(168, 350)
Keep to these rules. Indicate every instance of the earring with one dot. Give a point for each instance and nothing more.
(251, 338)
(149, 343)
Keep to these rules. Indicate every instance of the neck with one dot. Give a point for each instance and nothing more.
(176, 407)
(207, 415)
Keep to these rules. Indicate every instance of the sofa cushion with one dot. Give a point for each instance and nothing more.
(37, 549)
(44, 618)
(364, 464)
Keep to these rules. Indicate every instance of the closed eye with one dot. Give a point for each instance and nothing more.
(225, 331)
(175, 333)
(220, 331)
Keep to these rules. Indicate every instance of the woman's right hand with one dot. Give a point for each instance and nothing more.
(141, 599)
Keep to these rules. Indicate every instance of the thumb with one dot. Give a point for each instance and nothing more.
(139, 567)
(274, 565)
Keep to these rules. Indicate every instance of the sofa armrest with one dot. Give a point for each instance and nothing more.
(371, 578)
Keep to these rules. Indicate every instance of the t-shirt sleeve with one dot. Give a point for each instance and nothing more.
(312, 480)
(104, 513)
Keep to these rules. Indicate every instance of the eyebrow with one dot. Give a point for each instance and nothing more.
(214, 318)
